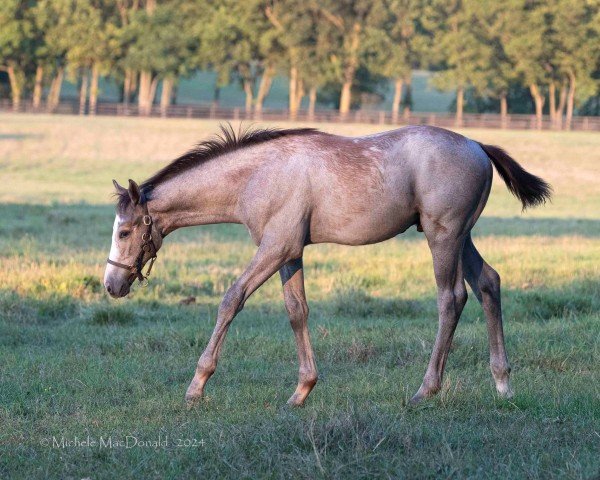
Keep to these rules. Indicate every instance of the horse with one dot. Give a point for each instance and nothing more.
(295, 187)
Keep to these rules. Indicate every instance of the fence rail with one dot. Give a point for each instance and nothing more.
(469, 120)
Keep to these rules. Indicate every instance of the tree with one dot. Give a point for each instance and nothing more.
(305, 50)
(500, 70)
(230, 43)
(351, 25)
(531, 48)
(16, 49)
(396, 48)
(157, 44)
(459, 46)
(576, 23)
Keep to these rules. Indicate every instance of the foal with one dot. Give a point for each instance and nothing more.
(292, 188)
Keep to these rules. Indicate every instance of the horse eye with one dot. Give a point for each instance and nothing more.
(123, 234)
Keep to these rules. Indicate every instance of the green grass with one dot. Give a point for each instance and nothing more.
(76, 364)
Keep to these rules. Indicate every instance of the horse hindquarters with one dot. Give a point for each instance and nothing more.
(446, 216)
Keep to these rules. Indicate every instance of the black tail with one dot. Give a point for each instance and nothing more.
(528, 188)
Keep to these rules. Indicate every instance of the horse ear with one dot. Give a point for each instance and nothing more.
(134, 192)
(118, 187)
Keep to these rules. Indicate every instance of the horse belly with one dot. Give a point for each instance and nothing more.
(371, 223)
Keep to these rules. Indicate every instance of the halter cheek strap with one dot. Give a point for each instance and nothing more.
(148, 246)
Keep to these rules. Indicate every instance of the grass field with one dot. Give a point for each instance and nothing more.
(77, 367)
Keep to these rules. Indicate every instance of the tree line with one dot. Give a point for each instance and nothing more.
(484, 47)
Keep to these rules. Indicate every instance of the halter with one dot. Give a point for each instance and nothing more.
(147, 247)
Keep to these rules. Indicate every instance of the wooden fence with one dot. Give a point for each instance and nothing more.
(470, 120)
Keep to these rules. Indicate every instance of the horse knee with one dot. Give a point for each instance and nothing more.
(452, 301)
(297, 310)
(231, 302)
(489, 282)
(447, 302)
(461, 296)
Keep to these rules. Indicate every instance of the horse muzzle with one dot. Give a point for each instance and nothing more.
(117, 289)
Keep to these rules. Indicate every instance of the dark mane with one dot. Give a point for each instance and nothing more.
(220, 144)
(227, 141)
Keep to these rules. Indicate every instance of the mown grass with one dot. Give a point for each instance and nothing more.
(74, 363)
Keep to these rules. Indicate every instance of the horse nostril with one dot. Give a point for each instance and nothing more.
(108, 288)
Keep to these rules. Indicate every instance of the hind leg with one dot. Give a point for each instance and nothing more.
(485, 283)
(292, 278)
(446, 250)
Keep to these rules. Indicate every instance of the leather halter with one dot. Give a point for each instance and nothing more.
(147, 247)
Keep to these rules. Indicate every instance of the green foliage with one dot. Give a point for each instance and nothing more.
(160, 41)
(483, 46)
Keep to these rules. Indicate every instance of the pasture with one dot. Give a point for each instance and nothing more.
(82, 376)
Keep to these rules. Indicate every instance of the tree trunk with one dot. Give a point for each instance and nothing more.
(293, 92)
(94, 89)
(83, 92)
(127, 86)
(408, 97)
(134, 84)
(15, 80)
(38, 87)
(460, 99)
(503, 110)
(249, 96)
(350, 70)
(538, 99)
(152, 94)
(562, 102)
(55, 87)
(299, 94)
(216, 96)
(397, 99)
(312, 101)
(552, 103)
(570, 101)
(144, 100)
(345, 98)
(165, 96)
(263, 89)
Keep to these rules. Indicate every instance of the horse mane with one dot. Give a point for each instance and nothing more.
(227, 141)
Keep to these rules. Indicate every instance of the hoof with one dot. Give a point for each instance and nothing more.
(416, 399)
(505, 391)
(192, 401)
(193, 394)
(295, 401)
(422, 394)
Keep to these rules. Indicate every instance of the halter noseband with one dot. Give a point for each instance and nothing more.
(147, 247)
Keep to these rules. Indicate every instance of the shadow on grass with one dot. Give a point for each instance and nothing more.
(581, 297)
(19, 136)
(549, 227)
(82, 225)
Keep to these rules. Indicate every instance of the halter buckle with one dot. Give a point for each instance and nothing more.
(147, 220)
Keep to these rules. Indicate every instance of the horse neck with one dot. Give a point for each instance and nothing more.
(206, 194)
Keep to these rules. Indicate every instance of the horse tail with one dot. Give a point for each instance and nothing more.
(528, 188)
